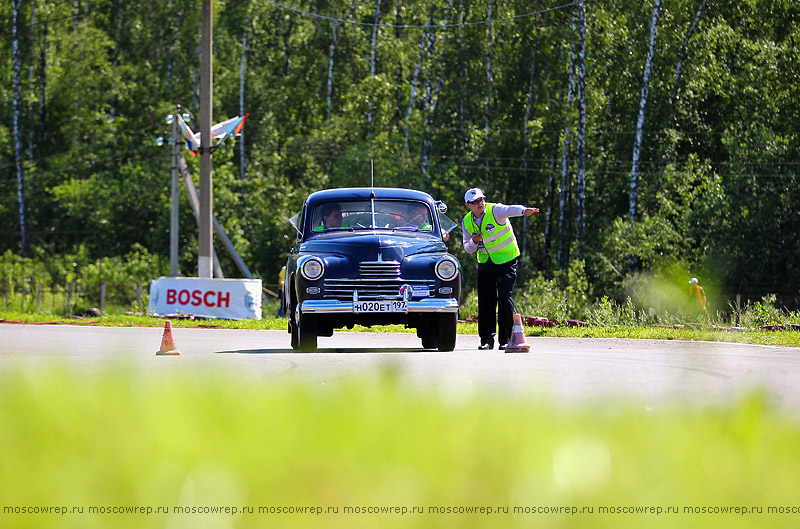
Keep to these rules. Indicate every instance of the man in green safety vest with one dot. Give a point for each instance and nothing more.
(487, 232)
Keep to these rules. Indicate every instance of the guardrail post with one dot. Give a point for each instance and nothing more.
(139, 296)
(102, 297)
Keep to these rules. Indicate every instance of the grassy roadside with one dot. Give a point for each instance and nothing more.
(696, 333)
(345, 454)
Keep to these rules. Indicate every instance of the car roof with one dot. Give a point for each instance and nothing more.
(356, 193)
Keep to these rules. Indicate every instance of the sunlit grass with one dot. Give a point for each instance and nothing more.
(697, 333)
(126, 440)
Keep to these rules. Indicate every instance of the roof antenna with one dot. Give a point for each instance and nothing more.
(372, 176)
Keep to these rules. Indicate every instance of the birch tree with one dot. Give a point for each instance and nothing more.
(637, 145)
(286, 30)
(414, 79)
(374, 52)
(432, 89)
(15, 5)
(682, 56)
(42, 86)
(337, 33)
(489, 51)
(331, 55)
(242, 72)
(565, 176)
(398, 34)
(529, 102)
(32, 132)
(580, 153)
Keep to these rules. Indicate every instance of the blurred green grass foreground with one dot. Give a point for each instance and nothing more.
(360, 452)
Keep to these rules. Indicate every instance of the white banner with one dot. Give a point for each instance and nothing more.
(229, 299)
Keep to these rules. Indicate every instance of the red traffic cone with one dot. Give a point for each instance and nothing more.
(167, 343)
(517, 343)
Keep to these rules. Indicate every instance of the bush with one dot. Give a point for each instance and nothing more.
(41, 282)
(762, 313)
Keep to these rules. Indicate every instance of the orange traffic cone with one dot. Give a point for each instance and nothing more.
(167, 343)
(517, 343)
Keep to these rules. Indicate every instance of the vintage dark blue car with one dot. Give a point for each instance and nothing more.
(372, 256)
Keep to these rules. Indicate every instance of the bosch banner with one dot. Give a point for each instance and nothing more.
(230, 299)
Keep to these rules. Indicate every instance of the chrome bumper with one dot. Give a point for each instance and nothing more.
(333, 306)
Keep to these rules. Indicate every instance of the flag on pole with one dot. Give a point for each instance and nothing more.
(229, 127)
(220, 131)
(192, 139)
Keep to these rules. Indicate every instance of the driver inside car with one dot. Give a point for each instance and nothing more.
(331, 214)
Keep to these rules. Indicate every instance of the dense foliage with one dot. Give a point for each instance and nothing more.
(441, 100)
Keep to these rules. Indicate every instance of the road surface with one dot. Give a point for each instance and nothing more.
(655, 373)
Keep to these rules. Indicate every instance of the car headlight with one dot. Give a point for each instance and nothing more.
(446, 269)
(312, 268)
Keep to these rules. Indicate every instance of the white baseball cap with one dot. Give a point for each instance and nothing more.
(473, 194)
(693, 280)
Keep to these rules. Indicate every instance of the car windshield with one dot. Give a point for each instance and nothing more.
(397, 215)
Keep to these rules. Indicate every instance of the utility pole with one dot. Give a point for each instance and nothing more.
(206, 243)
(173, 229)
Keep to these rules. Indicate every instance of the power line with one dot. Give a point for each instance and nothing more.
(414, 26)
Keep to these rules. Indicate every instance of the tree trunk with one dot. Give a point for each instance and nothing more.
(399, 99)
(242, 72)
(580, 153)
(565, 180)
(32, 132)
(637, 145)
(438, 67)
(528, 105)
(173, 44)
(414, 79)
(489, 51)
(331, 57)
(374, 52)
(682, 56)
(286, 31)
(462, 76)
(42, 86)
(15, 5)
(548, 215)
(432, 91)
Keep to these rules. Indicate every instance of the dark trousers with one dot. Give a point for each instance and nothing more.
(495, 292)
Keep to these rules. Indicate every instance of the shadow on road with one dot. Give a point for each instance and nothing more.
(339, 350)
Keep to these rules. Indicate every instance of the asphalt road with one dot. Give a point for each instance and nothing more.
(571, 370)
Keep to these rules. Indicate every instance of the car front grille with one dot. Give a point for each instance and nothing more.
(376, 280)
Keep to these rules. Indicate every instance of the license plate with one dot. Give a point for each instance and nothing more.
(381, 306)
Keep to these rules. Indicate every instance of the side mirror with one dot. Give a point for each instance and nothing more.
(441, 206)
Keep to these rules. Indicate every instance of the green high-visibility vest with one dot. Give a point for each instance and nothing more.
(499, 242)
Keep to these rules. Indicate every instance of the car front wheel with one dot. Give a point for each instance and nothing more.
(447, 332)
(306, 325)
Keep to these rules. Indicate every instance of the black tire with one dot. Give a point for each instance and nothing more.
(447, 332)
(291, 314)
(307, 333)
(430, 339)
(293, 332)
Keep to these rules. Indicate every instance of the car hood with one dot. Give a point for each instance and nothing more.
(374, 246)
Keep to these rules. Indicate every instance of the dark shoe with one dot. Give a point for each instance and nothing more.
(486, 345)
(503, 346)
